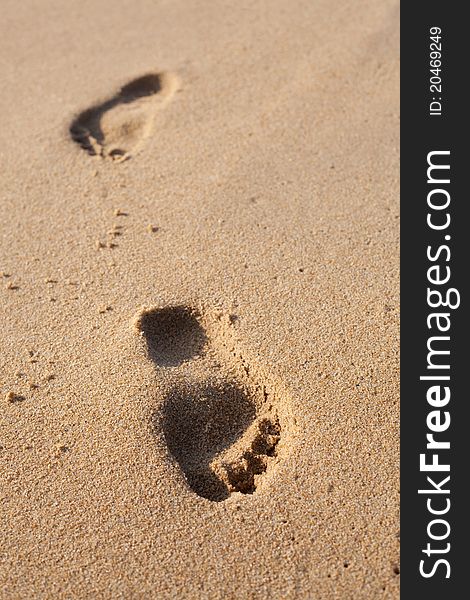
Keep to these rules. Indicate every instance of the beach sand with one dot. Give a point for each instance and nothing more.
(199, 292)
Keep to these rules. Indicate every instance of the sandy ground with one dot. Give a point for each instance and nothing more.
(199, 292)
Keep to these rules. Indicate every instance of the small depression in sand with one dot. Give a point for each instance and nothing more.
(222, 432)
(173, 334)
(118, 127)
(214, 435)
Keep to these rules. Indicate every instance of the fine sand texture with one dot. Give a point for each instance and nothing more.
(199, 300)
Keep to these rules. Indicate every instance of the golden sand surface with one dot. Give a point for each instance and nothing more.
(199, 299)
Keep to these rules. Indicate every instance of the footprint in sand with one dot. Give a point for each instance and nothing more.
(225, 422)
(118, 127)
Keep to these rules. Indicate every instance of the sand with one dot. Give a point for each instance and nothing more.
(199, 299)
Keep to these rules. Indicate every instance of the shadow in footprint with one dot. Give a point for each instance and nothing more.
(198, 424)
(173, 335)
(116, 127)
